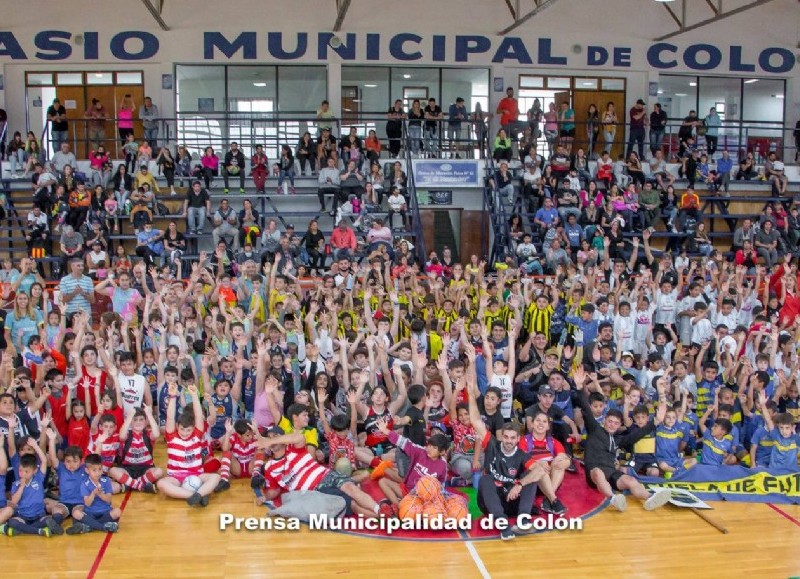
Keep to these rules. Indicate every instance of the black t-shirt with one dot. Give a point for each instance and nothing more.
(493, 422)
(554, 412)
(61, 111)
(685, 131)
(198, 201)
(505, 469)
(415, 430)
(435, 111)
(394, 124)
(414, 118)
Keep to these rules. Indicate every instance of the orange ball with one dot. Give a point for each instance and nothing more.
(428, 488)
(433, 510)
(410, 506)
(456, 507)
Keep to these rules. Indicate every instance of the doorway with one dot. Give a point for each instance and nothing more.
(75, 90)
(579, 92)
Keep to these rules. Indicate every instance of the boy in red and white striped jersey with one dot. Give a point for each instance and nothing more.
(184, 451)
(137, 469)
(105, 442)
(292, 468)
(238, 452)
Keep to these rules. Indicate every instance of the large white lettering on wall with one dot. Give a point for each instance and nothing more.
(401, 47)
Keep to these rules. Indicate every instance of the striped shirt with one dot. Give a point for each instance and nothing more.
(240, 451)
(184, 457)
(79, 303)
(296, 470)
(538, 321)
(138, 453)
(108, 450)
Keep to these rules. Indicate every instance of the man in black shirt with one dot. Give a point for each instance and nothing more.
(509, 481)
(57, 115)
(602, 445)
(433, 114)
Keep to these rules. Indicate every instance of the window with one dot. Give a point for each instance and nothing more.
(40, 78)
(201, 88)
(99, 78)
(69, 78)
(129, 78)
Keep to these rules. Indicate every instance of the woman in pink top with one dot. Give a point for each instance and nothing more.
(210, 166)
(268, 402)
(125, 118)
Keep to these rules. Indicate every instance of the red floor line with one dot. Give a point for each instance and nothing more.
(101, 553)
(784, 514)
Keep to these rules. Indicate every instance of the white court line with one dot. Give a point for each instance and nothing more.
(478, 562)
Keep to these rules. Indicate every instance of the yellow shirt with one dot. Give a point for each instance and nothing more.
(311, 435)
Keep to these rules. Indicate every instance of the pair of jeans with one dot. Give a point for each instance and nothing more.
(151, 136)
(656, 140)
(195, 218)
(58, 137)
(415, 134)
(17, 156)
(635, 137)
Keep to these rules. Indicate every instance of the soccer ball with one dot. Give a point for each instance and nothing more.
(192, 483)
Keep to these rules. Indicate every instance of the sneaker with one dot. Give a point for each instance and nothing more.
(204, 501)
(277, 190)
(293, 190)
(508, 534)
(194, 499)
(172, 192)
(380, 470)
(241, 190)
(385, 509)
(222, 486)
(555, 507)
(257, 481)
(658, 499)
(78, 529)
(150, 488)
(111, 527)
(458, 481)
(44, 532)
(572, 467)
(55, 528)
(225, 191)
(619, 502)
(517, 530)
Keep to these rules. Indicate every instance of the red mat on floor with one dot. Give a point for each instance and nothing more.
(581, 502)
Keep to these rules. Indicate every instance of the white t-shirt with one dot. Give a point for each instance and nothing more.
(132, 390)
(396, 202)
(503, 381)
(665, 307)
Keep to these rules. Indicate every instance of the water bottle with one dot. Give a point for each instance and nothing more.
(379, 450)
(476, 479)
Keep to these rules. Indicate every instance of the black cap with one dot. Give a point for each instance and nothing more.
(290, 226)
(546, 390)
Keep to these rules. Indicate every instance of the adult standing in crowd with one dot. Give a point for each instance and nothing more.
(59, 127)
(148, 112)
(96, 123)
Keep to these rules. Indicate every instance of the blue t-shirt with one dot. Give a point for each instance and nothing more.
(764, 443)
(31, 504)
(714, 451)
(25, 285)
(784, 451)
(668, 443)
(546, 216)
(69, 484)
(148, 238)
(98, 506)
(3, 500)
(28, 326)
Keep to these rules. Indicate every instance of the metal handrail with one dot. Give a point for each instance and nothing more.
(411, 187)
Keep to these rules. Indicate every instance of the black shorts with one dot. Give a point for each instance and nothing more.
(567, 132)
(612, 476)
(336, 492)
(137, 470)
(70, 507)
(640, 464)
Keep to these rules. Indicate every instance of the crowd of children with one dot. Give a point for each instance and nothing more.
(415, 380)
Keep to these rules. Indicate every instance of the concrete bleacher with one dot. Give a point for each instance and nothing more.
(296, 209)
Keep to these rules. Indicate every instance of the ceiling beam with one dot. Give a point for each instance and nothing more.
(156, 12)
(714, 9)
(342, 6)
(713, 19)
(511, 9)
(540, 6)
(672, 13)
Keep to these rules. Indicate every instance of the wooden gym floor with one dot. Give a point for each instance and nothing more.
(160, 537)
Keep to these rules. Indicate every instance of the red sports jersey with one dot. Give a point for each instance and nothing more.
(184, 457)
(464, 438)
(91, 404)
(240, 451)
(340, 447)
(58, 410)
(78, 433)
(138, 453)
(109, 450)
(546, 449)
(297, 470)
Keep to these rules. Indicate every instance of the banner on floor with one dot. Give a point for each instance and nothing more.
(734, 483)
(449, 173)
(683, 498)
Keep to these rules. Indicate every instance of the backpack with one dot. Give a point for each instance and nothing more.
(148, 443)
